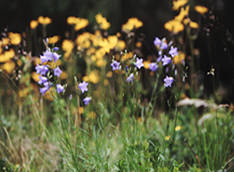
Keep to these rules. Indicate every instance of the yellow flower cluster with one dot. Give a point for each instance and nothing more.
(44, 20)
(67, 46)
(176, 25)
(41, 20)
(132, 23)
(6, 56)
(96, 46)
(79, 23)
(53, 39)
(15, 38)
(182, 19)
(93, 77)
(177, 4)
(102, 21)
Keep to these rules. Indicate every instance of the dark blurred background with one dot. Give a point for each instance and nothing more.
(215, 41)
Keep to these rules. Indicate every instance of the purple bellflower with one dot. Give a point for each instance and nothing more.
(130, 78)
(55, 56)
(173, 51)
(42, 80)
(60, 88)
(157, 42)
(153, 66)
(168, 81)
(44, 90)
(139, 63)
(83, 86)
(42, 69)
(57, 71)
(163, 45)
(115, 65)
(87, 100)
(166, 60)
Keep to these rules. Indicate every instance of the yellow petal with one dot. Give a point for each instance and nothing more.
(201, 9)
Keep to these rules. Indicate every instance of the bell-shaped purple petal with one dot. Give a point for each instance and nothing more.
(83, 86)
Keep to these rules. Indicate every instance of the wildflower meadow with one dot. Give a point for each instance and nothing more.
(95, 98)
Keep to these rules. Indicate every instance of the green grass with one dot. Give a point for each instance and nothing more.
(47, 140)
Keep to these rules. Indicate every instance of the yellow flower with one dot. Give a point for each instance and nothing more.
(93, 58)
(120, 45)
(67, 46)
(183, 13)
(179, 58)
(178, 3)
(109, 74)
(127, 56)
(102, 21)
(94, 76)
(81, 110)
(193, 25)
(186, 21)
(174, 26)
(91, 51)
(7, 55)
(33, 24)
(19, 62)
(201, 9)
(146, 64)
(178, 128)
(49, 95)
(106, 82)
(36, 61)
(35, 76)
(53, 40)
(138, 44)
(54, 64)
(132, 23)
(15, 38)
(113, 40)
(63, 75)
(100, 62)
(24, 92)
(83, 40)
(81, 23)
(85, 78)
(167, 138)
(5, 41)
(139, 119)
(44, 20)
(8, 66)
(100, 53)
(72, 20)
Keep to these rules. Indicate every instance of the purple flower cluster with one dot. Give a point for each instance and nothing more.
(83, 87)
(166, 53)
(46, 72)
